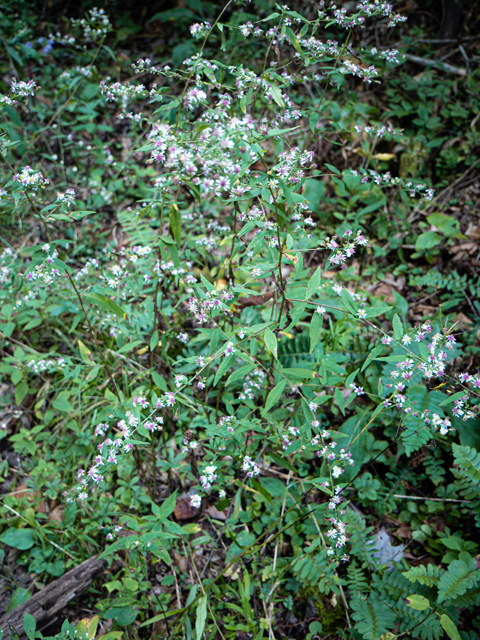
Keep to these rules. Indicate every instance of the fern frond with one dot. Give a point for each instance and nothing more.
(315, 570)
(469, 599)
(361, 541)
(428, 575)
(393, 585)
(457, 580)
(356, 579)
(427, 625)
(372, 617)
(468, 459)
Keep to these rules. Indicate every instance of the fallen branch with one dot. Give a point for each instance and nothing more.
(46, 603)
(443, 66)
(396, 495)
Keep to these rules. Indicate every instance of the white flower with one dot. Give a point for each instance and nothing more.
(196, 501)
(321, 310)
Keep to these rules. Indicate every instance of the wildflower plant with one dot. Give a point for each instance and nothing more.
(224, 261)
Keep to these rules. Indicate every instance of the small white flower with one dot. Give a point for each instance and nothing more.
(196, 501)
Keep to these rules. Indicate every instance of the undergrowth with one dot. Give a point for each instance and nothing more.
(218, 369)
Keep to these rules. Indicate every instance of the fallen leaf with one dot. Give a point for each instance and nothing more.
(473, 232)
(462, 320)
(386, 553)
(180, 560)
(56, 514)
(213, 512)
(404, 531)
(385, 290)
(22, 491)
(465, 246)
(184, 510)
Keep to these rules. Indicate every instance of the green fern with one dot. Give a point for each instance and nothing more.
(457, 580)
(469, 599)
(372, 617)
(428, 575)
(361, 541)
(468, 459)
(415, 434)
(468, 476)
(356, 579)
(392, 586)
(426, 624)
(315, 570)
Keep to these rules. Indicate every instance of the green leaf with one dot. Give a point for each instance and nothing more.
(256, 485)
(449, 627)
(154, 340)
(176, 223)
(314, 282)
(315, 329)
(468, 459)
(427, 240)
(450, 399)
(282, 462)
(201, 617)
(379, 310)
(167, 507)
(397, 327)
(376, 351)
(21, 390)
(351, 378)
(340, 400)
(159, 381)
(224, 367)
(271, 342)
(275, 394)
(29, 625)
(448, 225)
(293, 39)
(276, 94)
(18, 597)
(105, 303)
(297, 373)
(313, 118)
(348, 301)
(35, 322)
(239, 373)
(418, 602)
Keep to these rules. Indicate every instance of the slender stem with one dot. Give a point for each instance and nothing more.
(102, 355)
(154, 466)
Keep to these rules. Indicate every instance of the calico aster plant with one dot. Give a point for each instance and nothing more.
(229, 160)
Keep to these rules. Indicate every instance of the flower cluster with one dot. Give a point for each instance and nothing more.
(31, 179)
(7, 255)
(113, 448)
(341, 253)
(39, 366)
(67, 198)
(250, 467)
(95, 25)
(200, 29)
(121, 92)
